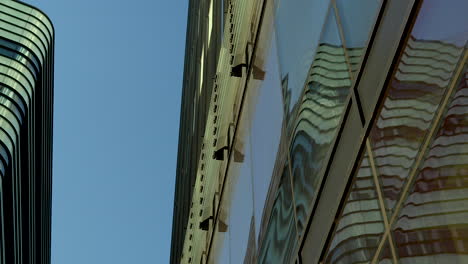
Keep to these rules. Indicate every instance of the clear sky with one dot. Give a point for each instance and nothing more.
(118, 75)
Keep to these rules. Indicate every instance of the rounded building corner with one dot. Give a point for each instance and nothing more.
(45, 18)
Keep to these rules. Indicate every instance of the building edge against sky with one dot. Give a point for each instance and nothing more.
(333, 131)
(26, 123)
(201, 56)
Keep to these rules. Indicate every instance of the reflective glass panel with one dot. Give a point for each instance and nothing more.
(318, 117)
(220, 247)
(280, 238)
(2, 168)
(357, 19)
(427, 65)
(266, 132)
(420, 139)
(433, 222)
(18, 57)
(31, 19)
(32, 11)
(220, 251)
(5, 154)
(251, 252)
(241, 190)
(298, 25)
(10, 94)
(360, 225)
(6, 102)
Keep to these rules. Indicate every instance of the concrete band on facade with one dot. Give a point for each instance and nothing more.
(26, 118)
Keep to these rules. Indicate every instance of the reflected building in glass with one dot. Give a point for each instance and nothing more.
(26, 118)
(336, 132)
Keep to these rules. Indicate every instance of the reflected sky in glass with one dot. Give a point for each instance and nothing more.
(298, 25)
(266, 132)
(443, 20)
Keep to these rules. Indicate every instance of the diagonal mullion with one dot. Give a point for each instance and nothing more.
(347, 59)
(342, 37)
(369, 149)
(423, 149)
(380, 196)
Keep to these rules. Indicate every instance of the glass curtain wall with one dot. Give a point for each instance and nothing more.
(307, 56)
(409, 199)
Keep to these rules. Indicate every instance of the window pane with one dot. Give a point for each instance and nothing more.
(357, 19)
(267, 133)
(318, 117)
(424, 73)
(241, 190)
(421, 134)
(220, 246)
(280, 239)
(298, 26)
(360, 225)
(433, 221)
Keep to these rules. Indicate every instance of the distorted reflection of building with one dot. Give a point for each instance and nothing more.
(344, 135)
(318, 118)
(361, 224)
(26, 118)
(431, 224)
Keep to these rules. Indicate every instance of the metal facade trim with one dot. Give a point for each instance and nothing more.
(371, 83)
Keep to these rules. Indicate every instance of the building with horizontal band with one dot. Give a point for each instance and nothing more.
(336, 133)
(26, 122)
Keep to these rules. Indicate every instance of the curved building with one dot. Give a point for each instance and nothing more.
(26, 116)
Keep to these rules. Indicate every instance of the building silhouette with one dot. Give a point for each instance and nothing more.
(26, 118)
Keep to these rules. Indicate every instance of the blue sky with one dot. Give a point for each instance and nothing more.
(118, 72)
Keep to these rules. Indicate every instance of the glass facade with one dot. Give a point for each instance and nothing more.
(26, 112)
(419, 155)
(288, 114)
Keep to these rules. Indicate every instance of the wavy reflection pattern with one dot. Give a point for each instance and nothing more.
(318, 117)
(433, 222)
(361, 224)
(413, 97)
(355, 56)
(281, 235)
